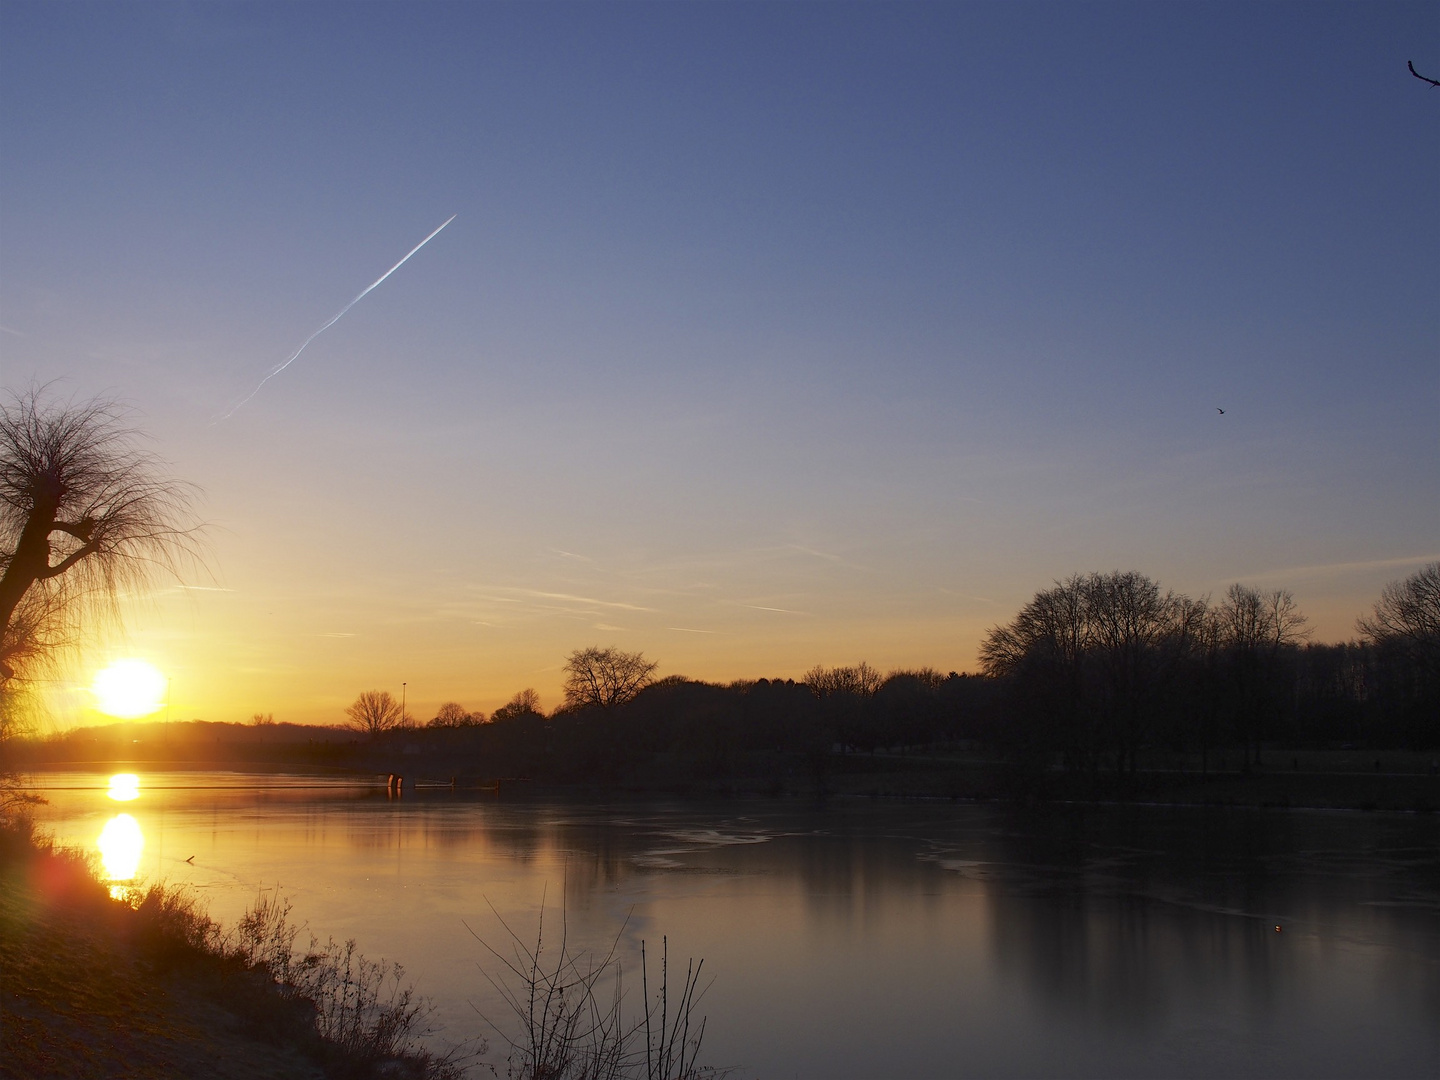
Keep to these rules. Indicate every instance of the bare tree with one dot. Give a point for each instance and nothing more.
(1405, 628)
(1407, 610)
(525, 703)
(1052, 625)
(605, 677)
(1130, 622)
(375, 711)
(862, 680)
(1252, 620)
(453, 714)
(925, 676)
(84, 515)
(845, 695)
(1254, 629)
(1090, 662)
(1041, 657)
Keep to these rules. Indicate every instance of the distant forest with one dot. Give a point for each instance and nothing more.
(1099, 674)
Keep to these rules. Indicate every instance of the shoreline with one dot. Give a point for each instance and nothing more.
(97, 987)
(900, 778)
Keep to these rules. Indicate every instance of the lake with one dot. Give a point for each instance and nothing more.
(856, 938)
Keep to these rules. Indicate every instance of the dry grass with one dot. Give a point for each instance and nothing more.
(92, 987)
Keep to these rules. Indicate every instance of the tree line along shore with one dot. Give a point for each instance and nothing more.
(1103, 686)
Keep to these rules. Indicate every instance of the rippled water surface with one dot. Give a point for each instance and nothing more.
(861, 939)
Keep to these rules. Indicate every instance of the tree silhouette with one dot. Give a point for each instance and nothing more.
(1254, 629)
(1407, 611)
(1040, 657)
(862, 680)
(375, 711)
(525, 703)
(606, 677)
(453, 714)
(1090, 664)
(1405, 629)
(84, 515)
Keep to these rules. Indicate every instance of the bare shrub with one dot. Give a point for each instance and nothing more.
(568, 1015)
(175, 918)
(361, 1005)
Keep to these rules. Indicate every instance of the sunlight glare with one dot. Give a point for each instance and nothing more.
(124, 787)
(129, 689)
(120, 844)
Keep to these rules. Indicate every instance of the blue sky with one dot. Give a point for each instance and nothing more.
(766, 335)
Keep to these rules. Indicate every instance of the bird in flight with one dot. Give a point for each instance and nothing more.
(1411, 65)
(1219, 410)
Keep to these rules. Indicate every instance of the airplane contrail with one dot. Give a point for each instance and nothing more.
(338, 315)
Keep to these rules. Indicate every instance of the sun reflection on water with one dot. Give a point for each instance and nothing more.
(124, 787)
(120, 844)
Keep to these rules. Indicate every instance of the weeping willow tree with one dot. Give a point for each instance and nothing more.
(86, 515)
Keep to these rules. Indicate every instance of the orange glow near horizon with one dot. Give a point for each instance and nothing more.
(129, 689)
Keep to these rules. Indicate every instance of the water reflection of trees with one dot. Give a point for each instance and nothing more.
(1122, 919)
(1129, 923)
(1125, 919)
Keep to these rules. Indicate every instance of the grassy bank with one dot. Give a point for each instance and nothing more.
(148, 986)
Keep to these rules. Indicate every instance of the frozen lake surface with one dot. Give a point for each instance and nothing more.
(862, 939)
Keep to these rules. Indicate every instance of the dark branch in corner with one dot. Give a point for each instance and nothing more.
(1411, 65)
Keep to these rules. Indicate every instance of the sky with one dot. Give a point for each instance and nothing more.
(764, 335)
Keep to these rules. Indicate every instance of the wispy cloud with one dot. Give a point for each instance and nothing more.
(710, 567)
(689, 630)
(1340, 568)
(569, 555)
(490, 605)
(780, 610)
(571, 598)
(828, 556)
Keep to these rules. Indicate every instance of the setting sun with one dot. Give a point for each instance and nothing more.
(129, 689)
